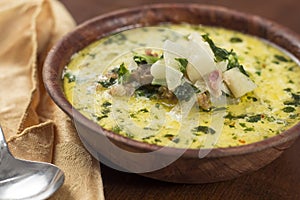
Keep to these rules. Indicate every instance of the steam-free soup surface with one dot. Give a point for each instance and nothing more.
(271, 108)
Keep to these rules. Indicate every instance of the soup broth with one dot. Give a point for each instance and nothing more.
(269, 109)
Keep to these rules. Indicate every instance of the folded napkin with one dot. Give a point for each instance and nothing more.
(35, 128)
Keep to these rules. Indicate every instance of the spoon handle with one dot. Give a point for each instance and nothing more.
(3, 145)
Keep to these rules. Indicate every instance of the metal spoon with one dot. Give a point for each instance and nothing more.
(20, 179)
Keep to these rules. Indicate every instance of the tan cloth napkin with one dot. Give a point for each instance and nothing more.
(34, 127)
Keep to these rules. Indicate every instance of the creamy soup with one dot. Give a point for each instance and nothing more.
(252, 91)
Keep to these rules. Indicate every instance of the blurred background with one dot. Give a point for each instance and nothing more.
(285, 12)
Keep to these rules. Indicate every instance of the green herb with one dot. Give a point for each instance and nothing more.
(235, 40)
(176, 140)
(281, 58)
(101, 117)
(293, 116)
(249, 129)
(119, 38)
(169, 136)
(243, 125)
(149, 91)
(92, 55)
(149, 128)
(148, 137)
(157, 140)
(132, 115)
(105, 111)
(294, 102)
(230, 116)
(129, 135)
(106, 104)
(123, 73)
(145, 59)
(107, 83)
(234, 62)
(254, 118)
(258, 73)
(288, 109)
(183, 64)
(291, 68)
(71, 78)
(116, 129)
(254, 99)
(271, 119)
(144, 110)
(204, 129)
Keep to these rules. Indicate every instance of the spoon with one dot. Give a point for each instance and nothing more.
(20, 179)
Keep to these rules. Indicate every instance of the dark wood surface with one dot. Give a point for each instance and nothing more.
(279, 180)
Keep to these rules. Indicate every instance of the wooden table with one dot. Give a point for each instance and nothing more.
(279, 180)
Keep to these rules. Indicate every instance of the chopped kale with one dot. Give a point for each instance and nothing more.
(183, 64)
(118, 38)
(105, 111)
(101, 117)
(169, 136)
(149, 91)
(249, 129)
(107, 83)
(222, 55)
(281, 58)
(230, 116)
(242, 125)
(235, 40)
(258, 73)
(71, 78)
(294, 102)
(123, 73)
(254, 99)
(254, 118)
(204, 129)
(157, 140)
(116, 129)
(289, 109)
(106, 104)
(145, 59)
(144, 110)
(148, 137)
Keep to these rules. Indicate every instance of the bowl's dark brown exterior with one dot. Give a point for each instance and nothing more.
(221, 163)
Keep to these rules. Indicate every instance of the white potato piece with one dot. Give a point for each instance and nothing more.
(158, 70)
(173, 78)
(174, 50)
(238, 83)
(193, 73)
(200, 61)
(197, 38)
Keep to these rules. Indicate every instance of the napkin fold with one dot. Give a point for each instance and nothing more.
(35, 128)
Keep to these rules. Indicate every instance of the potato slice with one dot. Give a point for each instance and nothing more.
(238, 83)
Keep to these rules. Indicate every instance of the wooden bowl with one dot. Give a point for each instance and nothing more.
(176, 165)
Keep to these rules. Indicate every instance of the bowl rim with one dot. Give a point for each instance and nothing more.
(55, 90)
